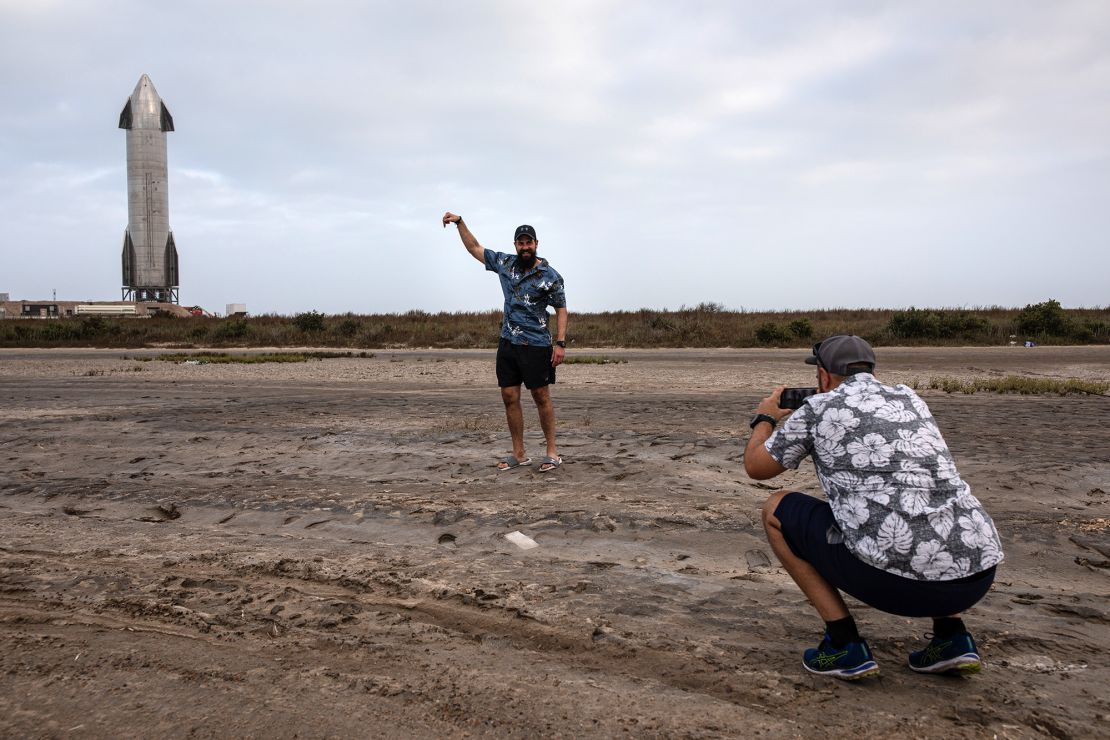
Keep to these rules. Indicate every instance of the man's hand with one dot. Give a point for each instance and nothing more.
(451, 218)
(758, 463)
(558, 354)
(770, 405)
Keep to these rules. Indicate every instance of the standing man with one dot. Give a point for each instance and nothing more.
(525, 354)
(900, 531)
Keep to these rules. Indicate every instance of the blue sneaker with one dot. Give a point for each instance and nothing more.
(955, 654)
(851, 662)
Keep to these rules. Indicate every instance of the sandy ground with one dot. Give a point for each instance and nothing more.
(318, 550)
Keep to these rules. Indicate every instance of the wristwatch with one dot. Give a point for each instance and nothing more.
(763, 417)
(560, 343)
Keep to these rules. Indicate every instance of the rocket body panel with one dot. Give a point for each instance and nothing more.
(147, 205)
(150, 257)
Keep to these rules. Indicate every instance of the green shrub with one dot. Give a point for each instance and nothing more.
(921, 324)
(801, 328)
(1046, 318)
(347, 327)
(231, 330)
(1097, 329)
(658, 322)
(92, 326)
(61, 330)
(771, 333)
(309, 321)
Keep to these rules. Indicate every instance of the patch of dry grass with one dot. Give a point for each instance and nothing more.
(225, 358)
(479, 423)
(593, 360)
(1021, 385)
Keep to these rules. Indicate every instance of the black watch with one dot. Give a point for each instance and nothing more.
(763, 417)
(560, 343)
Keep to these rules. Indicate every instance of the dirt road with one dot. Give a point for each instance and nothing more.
(318, 550)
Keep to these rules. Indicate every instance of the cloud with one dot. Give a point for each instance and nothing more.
(667, 153)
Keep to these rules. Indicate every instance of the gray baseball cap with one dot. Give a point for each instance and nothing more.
(835, 354)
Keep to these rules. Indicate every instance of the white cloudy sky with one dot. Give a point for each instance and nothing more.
(759, 155)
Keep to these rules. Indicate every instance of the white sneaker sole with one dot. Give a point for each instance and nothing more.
(966, 663)
(863, 670)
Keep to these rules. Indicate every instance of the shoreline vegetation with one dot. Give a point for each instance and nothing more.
(229, 358)
(1017, 384)
(706, 325)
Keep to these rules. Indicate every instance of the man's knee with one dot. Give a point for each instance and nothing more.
(511, 395)
(541, 395)
(770, 506)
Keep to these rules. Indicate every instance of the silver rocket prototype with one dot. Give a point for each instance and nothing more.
(149, 254)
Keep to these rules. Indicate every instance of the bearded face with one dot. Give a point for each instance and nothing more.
(526, 252)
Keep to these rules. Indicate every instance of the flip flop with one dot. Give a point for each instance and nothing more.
(511, 462)
(551, 462)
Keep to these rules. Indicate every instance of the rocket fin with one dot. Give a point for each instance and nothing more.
(125, 115)
(167, 119)
(128, 259)
(171, 262)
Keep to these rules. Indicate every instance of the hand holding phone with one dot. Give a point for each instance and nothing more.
(793, 398)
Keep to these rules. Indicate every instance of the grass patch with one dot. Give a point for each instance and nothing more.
(1022, 385)
(593, 360)
(225, 358)
(100, 372)
(456, 423)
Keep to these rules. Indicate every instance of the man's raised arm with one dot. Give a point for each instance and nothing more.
(477, 251)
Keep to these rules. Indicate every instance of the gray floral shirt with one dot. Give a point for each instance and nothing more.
(527, 296)
(890, 480)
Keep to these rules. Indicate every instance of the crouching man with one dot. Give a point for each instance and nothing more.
(900, 530)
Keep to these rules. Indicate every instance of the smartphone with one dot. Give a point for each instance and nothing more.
(793, 398)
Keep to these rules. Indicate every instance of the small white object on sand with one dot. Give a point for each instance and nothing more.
(523, 541)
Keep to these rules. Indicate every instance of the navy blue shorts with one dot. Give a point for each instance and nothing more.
(523, 363)
(806, 522)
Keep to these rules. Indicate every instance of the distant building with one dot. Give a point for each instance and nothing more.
(236, 309)
(68, 309)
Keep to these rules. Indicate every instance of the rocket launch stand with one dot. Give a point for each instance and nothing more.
(151, 295)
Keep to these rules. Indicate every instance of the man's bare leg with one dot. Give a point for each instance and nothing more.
(546, 409)
(824, 598)
(515, 416)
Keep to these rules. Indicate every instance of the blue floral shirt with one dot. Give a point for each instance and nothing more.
(527, 296)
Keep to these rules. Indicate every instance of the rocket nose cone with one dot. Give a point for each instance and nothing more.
(147, 109)
(144, 88)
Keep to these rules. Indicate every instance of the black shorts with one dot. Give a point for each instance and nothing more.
(805, 525)
(524, 363)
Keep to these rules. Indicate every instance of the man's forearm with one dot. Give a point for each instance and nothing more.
(470, 242)
(561, 324)
(760, 434)
(758, 463)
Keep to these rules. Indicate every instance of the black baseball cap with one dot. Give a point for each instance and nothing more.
(525, 230)
(836, 353)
